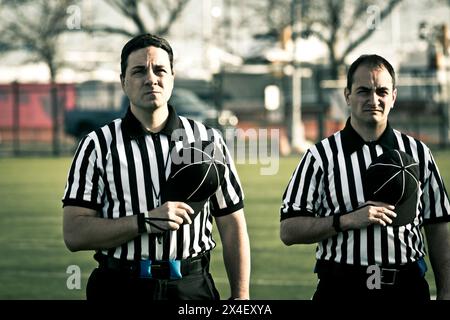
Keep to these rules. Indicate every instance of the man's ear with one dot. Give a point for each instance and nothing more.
(394, 95)
(122, 82)
(346, 95)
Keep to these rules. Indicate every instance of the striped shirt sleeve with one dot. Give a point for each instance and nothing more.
(435, 200)
(229, 196)
(82, 186)
(302, 195)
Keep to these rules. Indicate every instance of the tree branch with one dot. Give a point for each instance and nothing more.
(357, 13)
(318, 35)
(369, 31)
(154, 12)
(130, 9)
(123, 7)
(107, 29)
(173, 15)
(36, 29)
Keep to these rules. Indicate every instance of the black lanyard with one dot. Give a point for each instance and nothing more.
(162, 166)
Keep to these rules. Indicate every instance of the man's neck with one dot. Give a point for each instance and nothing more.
(151, 120)
(369, 133)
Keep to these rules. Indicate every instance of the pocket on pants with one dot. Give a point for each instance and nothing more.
(108, 285)
(199, 286)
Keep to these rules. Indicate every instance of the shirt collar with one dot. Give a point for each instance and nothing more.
(134, 129)
(352, 141)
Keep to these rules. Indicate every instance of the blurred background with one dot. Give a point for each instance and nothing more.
(255, 64)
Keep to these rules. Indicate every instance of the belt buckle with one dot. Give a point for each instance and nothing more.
(161, 270)
(386, 273)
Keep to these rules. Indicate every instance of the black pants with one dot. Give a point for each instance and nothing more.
(105, 284)
(353, 287)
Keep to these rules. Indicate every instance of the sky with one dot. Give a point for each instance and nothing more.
(396, 38)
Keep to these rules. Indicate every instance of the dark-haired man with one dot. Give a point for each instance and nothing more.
(363, 253)
(116, 200)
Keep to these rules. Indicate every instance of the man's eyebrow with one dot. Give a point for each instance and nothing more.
(159, 65)
(369, 88)
(145, 67)
(138, 67)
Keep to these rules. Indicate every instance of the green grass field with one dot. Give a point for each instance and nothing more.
(34, 258)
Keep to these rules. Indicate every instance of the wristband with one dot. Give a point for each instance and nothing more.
(337, 223)
(142, 228)
(143, 224)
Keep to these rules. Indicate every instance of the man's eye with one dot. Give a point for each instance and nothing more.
(382, 93)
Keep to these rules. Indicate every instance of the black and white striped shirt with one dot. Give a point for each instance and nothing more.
(328, 181)
(118, 170)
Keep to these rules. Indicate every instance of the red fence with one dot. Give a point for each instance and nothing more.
(32, 116)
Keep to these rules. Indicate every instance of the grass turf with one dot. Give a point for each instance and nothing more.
(35, 260)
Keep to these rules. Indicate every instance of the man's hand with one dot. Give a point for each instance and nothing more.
(372, 212)
(170, 216)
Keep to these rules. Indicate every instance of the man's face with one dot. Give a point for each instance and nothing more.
(372, 96)
(148, 79)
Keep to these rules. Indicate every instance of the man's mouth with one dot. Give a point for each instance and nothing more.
(373, 110)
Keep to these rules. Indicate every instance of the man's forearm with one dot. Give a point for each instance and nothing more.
(306, 230)
(87, 232)
(442, 279)
(237, 263)
(439, 249)
(236, 252)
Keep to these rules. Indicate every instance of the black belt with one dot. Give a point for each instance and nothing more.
(390, 274)
(163, 270)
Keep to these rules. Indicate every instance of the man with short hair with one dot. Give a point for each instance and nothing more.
(118, 202)
(366, 250)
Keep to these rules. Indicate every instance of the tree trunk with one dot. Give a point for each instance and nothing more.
(55, 119)
(54, 108)
(52, 70)
(334, 67)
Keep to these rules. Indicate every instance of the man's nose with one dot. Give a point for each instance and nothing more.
(151, 76)
(374, 99)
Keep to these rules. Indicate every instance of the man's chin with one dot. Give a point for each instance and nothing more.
(149, 105)
(374, 120)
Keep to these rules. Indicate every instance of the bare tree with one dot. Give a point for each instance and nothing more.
(342, 25)
(34, 27)
(156, 16)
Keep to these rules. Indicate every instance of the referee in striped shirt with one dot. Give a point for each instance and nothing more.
(116, 185)
(325, 203)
